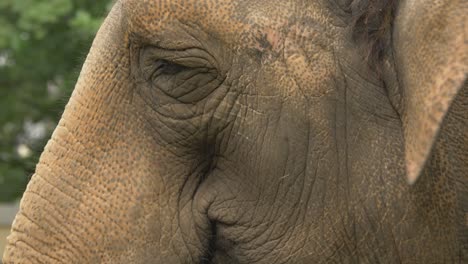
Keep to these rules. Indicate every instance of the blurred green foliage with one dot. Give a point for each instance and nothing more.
(42, 46)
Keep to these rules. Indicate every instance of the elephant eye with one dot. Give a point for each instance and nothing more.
(165, 67)
(178, 74)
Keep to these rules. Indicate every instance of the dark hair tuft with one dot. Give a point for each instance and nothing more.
(372, 26)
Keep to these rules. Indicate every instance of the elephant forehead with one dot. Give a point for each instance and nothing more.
(152, 17)
(252, 23)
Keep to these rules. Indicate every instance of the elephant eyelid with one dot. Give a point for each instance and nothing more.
(165, 67)
(157, 62)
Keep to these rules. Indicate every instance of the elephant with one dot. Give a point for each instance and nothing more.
(253, 131)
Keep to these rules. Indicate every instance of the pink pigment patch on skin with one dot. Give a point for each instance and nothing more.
(273, 37)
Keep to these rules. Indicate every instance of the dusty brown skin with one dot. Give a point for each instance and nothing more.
(254, 131)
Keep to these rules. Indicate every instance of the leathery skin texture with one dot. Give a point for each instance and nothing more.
(254, 131)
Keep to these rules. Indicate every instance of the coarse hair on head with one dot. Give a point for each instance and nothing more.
(373, 26)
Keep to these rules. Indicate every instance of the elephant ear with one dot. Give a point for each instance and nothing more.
(430, 42)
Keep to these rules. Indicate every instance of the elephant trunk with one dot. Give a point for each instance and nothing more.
(63, 197)
(87, 201)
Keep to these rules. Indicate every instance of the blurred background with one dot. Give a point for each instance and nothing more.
(43, 44)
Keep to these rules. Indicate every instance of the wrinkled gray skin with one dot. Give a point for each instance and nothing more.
(237, 131)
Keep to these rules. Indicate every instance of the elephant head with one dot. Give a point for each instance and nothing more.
(251, 131)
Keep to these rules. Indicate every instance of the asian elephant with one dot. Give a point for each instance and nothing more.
(260, 131)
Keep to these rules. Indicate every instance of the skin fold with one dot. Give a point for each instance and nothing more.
(254, 131)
